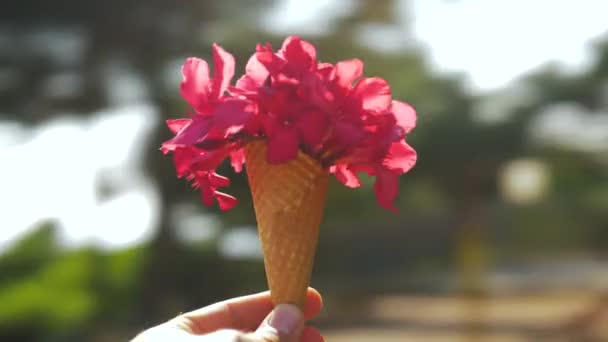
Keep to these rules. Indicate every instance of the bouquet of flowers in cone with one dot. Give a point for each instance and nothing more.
(293, 121)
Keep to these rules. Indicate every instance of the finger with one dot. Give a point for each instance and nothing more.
(225, 335)
(285, 324)
(165, 333)
(242, 313)
(311, 334)
(313, 304)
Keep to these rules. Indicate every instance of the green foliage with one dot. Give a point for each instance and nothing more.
(54, 292)
(29, 254)
(47, 289)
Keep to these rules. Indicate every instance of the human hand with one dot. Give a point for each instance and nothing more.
(243, 319)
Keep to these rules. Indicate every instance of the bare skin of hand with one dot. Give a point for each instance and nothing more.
(244, 319)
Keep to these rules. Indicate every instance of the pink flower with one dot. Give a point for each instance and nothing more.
(203, 141)
(201, 91)
(289, 119)
(384, 154)
(350, 124)
(204, 178)
(208, 183)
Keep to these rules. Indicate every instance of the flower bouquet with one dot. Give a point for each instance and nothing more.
(293, 121)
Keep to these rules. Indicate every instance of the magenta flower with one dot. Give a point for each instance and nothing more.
(348, 123)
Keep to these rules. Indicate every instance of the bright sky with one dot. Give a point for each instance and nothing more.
(55, 171)
(493, 41)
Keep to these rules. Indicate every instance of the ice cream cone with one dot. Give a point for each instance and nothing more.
(288, 200)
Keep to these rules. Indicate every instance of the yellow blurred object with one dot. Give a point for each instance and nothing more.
(473, 259)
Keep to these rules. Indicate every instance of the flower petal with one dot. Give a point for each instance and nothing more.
(348, 71)
(237, 159)
(207, 193)
(225, 201)
(182, 159)
(232, 115)
(192, 133)
(209, 160)
(255, 75)
(177, 124)
(312, 127)
(300, 55)
(208, 182)
(400, 157)
(282, 145)
(212, 142)
(374, 94)
(269, 59)
(218, 181)
(325, 70)
(347, 135)
(223, 71)
(386, 188)
(319, 94)
(346, 176)
(405, 115)
(195, 83)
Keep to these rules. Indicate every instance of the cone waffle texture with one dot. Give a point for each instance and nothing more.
(288, 200)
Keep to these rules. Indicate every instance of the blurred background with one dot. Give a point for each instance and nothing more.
(503, 234)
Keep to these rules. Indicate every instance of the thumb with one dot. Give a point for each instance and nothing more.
(284, 324)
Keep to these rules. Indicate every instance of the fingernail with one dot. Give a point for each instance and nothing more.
(285, 318)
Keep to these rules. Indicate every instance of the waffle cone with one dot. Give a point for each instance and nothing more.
(288, 200)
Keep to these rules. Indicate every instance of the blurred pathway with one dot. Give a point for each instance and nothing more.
(529, 317)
